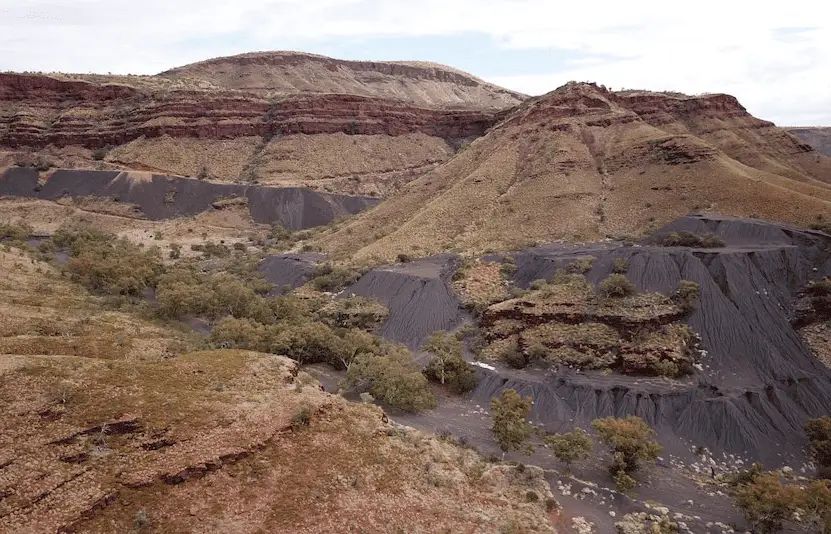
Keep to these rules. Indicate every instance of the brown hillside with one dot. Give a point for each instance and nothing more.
(582, 163)
(818, 137)
(112, 425)
(420, 83)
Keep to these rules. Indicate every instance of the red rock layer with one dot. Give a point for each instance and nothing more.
(36, 111)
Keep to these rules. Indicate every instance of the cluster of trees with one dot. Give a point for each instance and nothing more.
(103, 263)
(628, 439)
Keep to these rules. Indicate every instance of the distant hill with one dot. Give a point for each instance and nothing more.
(583, 163)
(419, 83)
(818, 137)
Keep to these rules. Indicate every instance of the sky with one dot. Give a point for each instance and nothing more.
(775, 57)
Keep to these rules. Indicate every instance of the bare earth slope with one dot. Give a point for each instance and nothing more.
(818, 137)
(423, 84)
(582, 163)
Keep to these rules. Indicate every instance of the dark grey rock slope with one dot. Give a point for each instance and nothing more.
(163, 197)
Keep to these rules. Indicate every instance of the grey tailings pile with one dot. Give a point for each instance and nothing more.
(163, 197)
(290, 269)
(759, 381)
(418, 295)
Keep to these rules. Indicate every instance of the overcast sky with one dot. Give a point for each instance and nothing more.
(776, 60)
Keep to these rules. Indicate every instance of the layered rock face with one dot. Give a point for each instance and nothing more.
(36, 111)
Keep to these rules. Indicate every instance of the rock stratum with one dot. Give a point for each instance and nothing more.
(583, 163)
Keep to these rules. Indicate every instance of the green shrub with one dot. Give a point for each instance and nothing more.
(690, 239)
(617, 286)
(570, 446)
(581, 266)
(630, 442)
(620, 265)
(329, 278)
(536, 285)
(301, 417)
(105, 264)
(508, 267)
(687, 294)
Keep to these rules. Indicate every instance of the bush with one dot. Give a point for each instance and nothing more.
(19, 231)
(354, 312)
(510, 428)
(617, 286)
(508, 267)
(620, 265)
(301, 417)
(240, 247)
(99, 154)
(175, 251)
(328, 278)
(819, 436)
(404, 258)
(687, 294)
(581, 266)
(536, 285)
(690, 239)
(394, 378)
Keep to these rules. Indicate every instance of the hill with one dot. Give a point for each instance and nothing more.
(818, 137)
(583, 163)
(420, 83)
(273, 118)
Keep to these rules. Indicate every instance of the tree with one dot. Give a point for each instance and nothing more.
(570, 446)
(767, 503)
(819, 435)
(444, 347)
(448, 366)
(629, 440)
(510, 421)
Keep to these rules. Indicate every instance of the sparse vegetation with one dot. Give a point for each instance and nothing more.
(581, 266)
(620, 265)
(630, 442)
(690, 239)
(510, 428)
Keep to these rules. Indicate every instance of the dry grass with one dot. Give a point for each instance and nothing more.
(480, 284)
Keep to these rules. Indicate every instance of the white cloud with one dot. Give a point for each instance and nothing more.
(727, 46)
